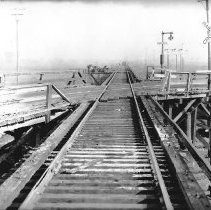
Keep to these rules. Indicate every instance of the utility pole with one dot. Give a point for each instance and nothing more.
(17, 15)
(181, 50)
(207, 40)
(172, 53)
(162, 51)
(209, 85)
(168, 64)
(175, 51)
(208, 34)
(162, 46)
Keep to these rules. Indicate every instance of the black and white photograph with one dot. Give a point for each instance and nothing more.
(105, 104)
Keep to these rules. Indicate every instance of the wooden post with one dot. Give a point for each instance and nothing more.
(147, 75)
(170, 110)
(188, 82)
(48, 102)
(168, 82)
(194, 118)
(209, 78)
(189, 126)
(37, 136)
(41, 75)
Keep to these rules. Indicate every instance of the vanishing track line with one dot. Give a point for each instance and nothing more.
(113, 160)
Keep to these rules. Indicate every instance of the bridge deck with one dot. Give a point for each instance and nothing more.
(112, 140)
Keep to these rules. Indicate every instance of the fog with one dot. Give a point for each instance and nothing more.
(67, 34)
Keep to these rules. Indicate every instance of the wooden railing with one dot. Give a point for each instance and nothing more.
(48, 103)
(156, 73)
(186, 81)
(49, 89)
(38, 77)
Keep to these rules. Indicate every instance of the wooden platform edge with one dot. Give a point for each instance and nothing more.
(11, 188)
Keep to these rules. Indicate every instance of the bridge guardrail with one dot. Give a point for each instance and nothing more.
(186, 81)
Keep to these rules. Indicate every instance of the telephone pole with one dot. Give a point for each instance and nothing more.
(207, 39)
(162, 46)
(17, 15)
(208, 34)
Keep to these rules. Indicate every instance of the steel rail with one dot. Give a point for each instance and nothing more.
(162, 185)
(55, 165)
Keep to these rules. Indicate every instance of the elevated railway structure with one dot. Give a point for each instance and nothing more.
(122, 150)
(184, 97)
(48, 95)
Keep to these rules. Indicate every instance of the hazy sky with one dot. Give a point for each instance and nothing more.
(69, 33)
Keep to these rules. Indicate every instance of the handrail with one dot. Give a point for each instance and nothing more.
(187, 81)
(49, 87)
(42, 72)
(4, 76)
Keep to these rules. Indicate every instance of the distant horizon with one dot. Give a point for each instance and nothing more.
(54, 34)
(138, 64)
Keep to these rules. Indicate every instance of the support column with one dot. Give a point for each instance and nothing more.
(168, 82)
(48, 102)
(37, 136)
(194, 118)
(170, 110)
(189, 126)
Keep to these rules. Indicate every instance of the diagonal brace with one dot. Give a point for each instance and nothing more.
(205, 108)
(184, 110)
(192, 108)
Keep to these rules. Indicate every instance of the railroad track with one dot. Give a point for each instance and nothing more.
(113, 160)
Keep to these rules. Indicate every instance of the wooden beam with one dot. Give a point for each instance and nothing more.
(185, 177)
(44, 72)
(11, 188)
(26, 120)
(192, 108)
(61, 94)
(205, 108)
(204, 164)
(94, 79)
(184, 110)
